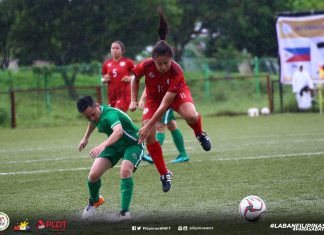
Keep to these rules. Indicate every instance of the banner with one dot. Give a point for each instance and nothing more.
(300, 42)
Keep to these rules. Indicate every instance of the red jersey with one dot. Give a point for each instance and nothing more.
(117, 70)
(156, 83)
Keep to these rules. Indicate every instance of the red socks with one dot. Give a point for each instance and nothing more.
(197, 127)
(155, 151)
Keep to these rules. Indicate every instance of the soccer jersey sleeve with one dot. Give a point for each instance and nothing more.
(104, 68)
(113, 120)
(138, 70)
(130, 65)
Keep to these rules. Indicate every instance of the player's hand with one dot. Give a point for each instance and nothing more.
(141, 104)
(105, 78)
(94, 153)
(83, 144)
(133, 105)
(144, 132)
(125, 79)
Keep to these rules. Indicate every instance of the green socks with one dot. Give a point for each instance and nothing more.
(126, 191)
(160, 137)
(94, 190)
(178, 141)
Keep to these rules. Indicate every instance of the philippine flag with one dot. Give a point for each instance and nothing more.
(298, 54)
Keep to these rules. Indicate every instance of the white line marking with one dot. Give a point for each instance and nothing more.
(44, 160)
(44, 171)
(270, 156)
(215, 159)
(220, 138)
(72, 158)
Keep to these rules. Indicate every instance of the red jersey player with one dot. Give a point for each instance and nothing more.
(116, 72)
(165, 88)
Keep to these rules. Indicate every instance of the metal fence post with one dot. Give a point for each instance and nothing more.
(206, 69)
(47, 95)
(269, 91)
(98, 91)
(13, 109)
(256, 73)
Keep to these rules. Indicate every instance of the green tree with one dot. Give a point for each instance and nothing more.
(309, 5)
(7, 14)
(80, 31)
(247, 24)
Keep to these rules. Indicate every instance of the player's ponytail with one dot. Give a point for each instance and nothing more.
(163, 26)
(162, 47)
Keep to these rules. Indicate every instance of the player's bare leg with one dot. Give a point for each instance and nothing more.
(188, 112)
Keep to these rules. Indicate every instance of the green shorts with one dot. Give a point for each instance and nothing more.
(133, 153)
(168, 116)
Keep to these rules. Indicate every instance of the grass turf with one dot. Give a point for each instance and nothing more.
(278, 157)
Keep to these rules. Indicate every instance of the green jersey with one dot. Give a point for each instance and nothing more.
(109, 118)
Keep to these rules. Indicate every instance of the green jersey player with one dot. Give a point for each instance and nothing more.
(122, 143)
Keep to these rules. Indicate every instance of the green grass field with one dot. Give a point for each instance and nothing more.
(278, 157)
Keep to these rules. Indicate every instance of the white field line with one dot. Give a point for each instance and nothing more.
(71, 158)
(165, 150)
(43, 160)
(44, 171)
(221, 138)
(314, 154)
(74, 147)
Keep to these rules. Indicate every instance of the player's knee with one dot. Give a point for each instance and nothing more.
(151, 138)
(93, 177)
(172, 125)
(160, 127)
(125, 172)
(192, 118)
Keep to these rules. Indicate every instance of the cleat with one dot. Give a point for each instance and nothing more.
(147, 158)
(204, 141)
(125, 215)
(166, 181)
(181, 158)
(90, 209)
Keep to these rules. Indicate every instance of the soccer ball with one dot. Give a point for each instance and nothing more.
(265, 111)
(253, 112)
(252, 208)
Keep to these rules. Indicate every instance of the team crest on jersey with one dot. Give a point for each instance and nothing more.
(151, 75)
(109, 65)
(122, 63)
(145, 111)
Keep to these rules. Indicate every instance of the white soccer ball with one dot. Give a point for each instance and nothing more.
(265, 111)
(253, 112)
(252, 208)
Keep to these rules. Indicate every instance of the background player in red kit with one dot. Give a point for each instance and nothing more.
(165, 88)
(116, 72)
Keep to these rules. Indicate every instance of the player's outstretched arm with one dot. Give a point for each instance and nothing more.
(142, 101)
(134, 93)
(84, 141)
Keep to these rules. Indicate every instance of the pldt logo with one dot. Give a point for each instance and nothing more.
(40, 224)
(54, 225)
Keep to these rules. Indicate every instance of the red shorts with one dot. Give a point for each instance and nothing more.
(152, 105)
(122, 103)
